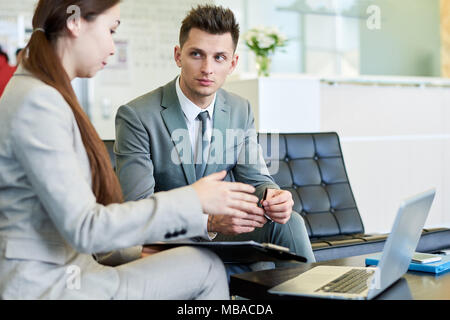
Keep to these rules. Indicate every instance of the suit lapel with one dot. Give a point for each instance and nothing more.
(221, 123)
(173, 118)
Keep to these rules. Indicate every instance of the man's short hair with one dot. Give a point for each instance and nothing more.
(211, 19)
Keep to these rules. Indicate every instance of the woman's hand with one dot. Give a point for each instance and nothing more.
(227, 198)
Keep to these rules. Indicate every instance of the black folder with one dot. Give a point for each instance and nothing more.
(239, 251)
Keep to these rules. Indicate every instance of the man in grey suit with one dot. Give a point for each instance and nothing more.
(191, 128)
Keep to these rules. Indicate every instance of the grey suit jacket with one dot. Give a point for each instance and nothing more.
(50, 222)
(154, 153)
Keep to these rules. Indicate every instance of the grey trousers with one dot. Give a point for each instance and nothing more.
(292, 235)
(184, 273)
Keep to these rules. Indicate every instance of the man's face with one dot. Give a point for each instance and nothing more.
(205, 61)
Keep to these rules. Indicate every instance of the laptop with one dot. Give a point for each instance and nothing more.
(365, 283)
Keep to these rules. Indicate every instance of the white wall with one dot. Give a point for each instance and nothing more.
(396, 142)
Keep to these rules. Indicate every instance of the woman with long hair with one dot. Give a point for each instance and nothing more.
(60, 200)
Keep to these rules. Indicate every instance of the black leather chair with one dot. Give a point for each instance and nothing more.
(312, 168)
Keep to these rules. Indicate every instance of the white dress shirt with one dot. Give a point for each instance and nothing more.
(191, 112)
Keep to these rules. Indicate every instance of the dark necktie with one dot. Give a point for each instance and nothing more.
(202, 147)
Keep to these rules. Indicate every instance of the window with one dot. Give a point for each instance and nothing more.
(324, 34)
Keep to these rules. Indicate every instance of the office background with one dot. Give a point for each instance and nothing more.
(383, 88)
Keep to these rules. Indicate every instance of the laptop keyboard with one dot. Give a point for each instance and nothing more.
(353, 281)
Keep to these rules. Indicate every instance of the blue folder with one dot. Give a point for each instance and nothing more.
(434, 267)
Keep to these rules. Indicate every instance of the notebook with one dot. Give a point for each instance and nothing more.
(363, 283)
(238, 251)
(434, 267)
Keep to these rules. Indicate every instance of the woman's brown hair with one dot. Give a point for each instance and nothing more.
(40, 58)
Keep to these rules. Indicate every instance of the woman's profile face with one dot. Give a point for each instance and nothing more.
(95, 43)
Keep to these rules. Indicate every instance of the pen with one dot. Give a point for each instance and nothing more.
(263, 199)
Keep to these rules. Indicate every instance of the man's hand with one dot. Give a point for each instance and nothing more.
(235, 224)
(278, 205)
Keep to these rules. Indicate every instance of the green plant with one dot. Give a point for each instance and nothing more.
(264, 41)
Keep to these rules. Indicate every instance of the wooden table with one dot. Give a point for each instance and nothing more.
(413, 285)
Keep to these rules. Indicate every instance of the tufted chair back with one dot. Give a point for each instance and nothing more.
(311, 167)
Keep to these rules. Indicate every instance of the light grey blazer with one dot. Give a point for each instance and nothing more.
(50, 222)
(152, 155)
